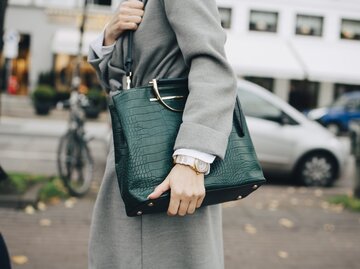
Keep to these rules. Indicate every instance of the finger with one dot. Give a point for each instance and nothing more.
(173, 205)
(131, 11)
(192, 206)
(134, 4)
(183, 208)
(131, 18)
(200, 201)
(160, 189)
(127, 26)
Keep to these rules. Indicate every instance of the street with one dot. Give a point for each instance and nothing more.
(280, 225)
(294, 66)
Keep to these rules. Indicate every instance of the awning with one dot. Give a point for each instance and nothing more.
(263, 56)
(66, 41)
(337, 62)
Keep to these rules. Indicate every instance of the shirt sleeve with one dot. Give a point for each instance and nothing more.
(98, 48)
(208, 114)
(208, 158)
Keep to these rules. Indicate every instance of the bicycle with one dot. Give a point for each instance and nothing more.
(74, 159)
(75, 163)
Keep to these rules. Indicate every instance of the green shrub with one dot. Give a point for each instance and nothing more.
(53, 188)
(47, 78)
(347, 201)
(96, 96)
(44, 93)
(18, 183)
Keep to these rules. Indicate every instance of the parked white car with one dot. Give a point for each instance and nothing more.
(289, 143)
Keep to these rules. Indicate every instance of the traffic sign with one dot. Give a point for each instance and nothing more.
(11, 44)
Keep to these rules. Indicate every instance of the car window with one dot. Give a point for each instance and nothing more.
(353, 104)
(256, 106)
(340, 102)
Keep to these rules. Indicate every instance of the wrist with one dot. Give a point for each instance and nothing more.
(187, 167)
(108, 39)
(199, 166)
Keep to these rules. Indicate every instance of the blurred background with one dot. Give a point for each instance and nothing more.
(298, 68)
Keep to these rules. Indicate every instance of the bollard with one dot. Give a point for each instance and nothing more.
(355, 146)
(3, 175)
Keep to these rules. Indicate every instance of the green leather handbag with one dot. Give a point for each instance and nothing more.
(145, 123)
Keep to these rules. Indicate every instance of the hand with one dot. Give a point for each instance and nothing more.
(127, 17)
(187, 190)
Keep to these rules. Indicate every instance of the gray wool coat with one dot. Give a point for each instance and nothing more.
(176, 38)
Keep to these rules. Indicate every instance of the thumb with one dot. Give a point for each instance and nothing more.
(160, 189)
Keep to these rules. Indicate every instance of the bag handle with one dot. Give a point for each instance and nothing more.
(129, 59)
(160, 99)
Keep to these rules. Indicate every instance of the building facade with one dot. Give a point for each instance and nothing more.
(49, 39)
(305, 51)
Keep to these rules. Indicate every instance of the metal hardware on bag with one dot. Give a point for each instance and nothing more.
(167, 98)
(159, 98)
(255, 187)
(128, 81)
(151, 204)
(139, 213)
(239, 197)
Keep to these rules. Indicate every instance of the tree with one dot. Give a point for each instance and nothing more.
(3, 5)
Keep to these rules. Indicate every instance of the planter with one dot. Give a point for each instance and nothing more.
(96, 100)
(92, 111)
(42, 108)
(43, 99)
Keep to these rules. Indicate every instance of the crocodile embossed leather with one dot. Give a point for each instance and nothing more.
(145, 129)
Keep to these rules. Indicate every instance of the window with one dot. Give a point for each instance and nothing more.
(344, 88)
(225, 15)
(350, 29)
(263, 21)
(18, 82)
(309, 25)
(257, 107)
(353, 105)
(102, 2)
(267, 83)
(303, 94)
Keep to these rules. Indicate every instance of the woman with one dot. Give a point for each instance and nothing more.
(173, 38)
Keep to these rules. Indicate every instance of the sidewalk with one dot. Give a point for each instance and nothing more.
(278, 226)
(49, 127)
(18, 118)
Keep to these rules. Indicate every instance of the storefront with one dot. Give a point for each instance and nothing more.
(65, 47)
(63, 70)
(15, 72)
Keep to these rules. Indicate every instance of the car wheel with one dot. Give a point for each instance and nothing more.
(333, 128)
(317, 169)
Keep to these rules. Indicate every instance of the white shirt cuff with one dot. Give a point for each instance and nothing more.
(205, 157)
(98, 48)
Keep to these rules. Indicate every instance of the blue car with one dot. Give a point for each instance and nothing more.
(337, 116)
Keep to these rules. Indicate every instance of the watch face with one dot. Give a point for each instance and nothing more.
(201, 166)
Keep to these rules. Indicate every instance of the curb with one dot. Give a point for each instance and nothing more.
(19, 201)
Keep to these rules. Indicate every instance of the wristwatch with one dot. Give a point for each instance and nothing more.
(199, 166)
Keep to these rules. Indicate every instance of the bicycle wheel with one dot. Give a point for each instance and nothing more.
(75, 164)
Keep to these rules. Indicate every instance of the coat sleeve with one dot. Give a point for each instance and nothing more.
(106, 68)
(208, 114)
